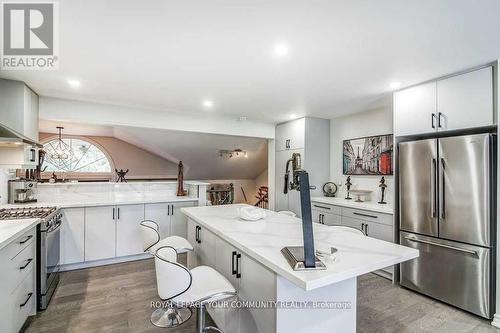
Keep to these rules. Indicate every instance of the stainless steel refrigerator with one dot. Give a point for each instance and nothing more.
(446, 209)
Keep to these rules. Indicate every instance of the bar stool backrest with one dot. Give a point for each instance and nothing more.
(172, 278)
(149, 234)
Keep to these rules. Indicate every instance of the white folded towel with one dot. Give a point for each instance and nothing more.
(251, 213)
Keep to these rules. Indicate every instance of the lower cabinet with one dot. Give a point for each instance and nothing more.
(203, 242)
(128, 232)
(168, 217)
(100, 233)
(253, 282)
(18, 292)
(72, 238)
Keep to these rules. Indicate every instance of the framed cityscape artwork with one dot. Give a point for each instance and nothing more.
(368, 156)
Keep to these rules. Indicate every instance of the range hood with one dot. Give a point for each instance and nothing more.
(11, 138)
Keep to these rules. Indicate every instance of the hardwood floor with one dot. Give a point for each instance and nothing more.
(117, 298)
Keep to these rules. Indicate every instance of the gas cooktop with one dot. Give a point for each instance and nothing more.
(26, 213)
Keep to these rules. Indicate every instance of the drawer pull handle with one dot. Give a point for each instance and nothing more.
(26, 265)
(233, 270)
(366, 215)
(324, 207)
(456, 248)
(25, 240)
(26, 301)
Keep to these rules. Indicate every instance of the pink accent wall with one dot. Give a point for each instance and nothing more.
(141, 163)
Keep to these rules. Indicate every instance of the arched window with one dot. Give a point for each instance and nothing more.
(73, 156)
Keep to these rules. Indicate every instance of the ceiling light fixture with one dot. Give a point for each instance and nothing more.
(395, 85)
(280, 50)
(208, 104)
(62, 150)
(74, 83)
(231, 153)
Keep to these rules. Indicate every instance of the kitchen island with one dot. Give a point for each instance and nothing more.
(248, 255)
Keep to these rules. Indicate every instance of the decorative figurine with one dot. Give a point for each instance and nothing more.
(121, 176)
(382, 188)
(348, 184)
(180, 181)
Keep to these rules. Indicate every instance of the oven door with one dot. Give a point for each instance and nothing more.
(49, 261)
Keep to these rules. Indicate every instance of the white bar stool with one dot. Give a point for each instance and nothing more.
(167, 317)
(196, 287)
(287, 212)
(348, 229)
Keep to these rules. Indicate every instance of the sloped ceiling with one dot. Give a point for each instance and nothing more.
(198, 152)
(172, 54)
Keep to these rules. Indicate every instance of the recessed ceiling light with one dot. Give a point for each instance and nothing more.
(74, 83)
(280, 50)
(293, 116)
(208, 104)
(395, 85)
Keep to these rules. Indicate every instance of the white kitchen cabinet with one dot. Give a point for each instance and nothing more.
(160, 214)
(415, 110)
(225, 261)
(178, 222)
(128, 232)
(451, 103)
(466, 100)
(72, 236)
(203, 242)
(100, 233)
(168, 217)
(257, 283)
(310, 137)
(290, 135)
(326, 218)
(18, 292)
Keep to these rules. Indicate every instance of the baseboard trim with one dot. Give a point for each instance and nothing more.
(496, 320)
(110, 261)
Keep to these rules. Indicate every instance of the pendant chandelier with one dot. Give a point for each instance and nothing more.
(61, 151)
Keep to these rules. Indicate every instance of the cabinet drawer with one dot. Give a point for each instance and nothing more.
(19, 244)
(375, 230)
(19, 267)
(22, 302)
(319, 216)
(367, 215)
(325, 208)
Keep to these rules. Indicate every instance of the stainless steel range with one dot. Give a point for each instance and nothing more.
(47, 252)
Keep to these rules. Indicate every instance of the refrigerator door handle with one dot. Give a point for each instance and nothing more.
(413, 239)
(442, 189)
(433, 186)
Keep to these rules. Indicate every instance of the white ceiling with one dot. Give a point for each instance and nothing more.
(170, 55)
(197, 151)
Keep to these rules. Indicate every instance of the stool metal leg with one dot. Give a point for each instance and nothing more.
(170, 317)
(201, 321)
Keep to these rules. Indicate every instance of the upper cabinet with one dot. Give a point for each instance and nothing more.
(415, 110)
(290, 135)
(19, 108)
(310, 137)
(453, 103)
(466, 100)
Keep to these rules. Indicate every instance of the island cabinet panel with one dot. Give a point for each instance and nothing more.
(128, 239)
(178, 222)
(100, 233)
(225, 261)
(72, 240)
(159, 213)
(258, 284)
(203, 242)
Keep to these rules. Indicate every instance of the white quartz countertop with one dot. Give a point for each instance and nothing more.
(11, 229)
(89, 200)
(262, 240)
(367, 205)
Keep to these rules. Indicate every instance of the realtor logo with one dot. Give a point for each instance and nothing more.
(30, 35)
